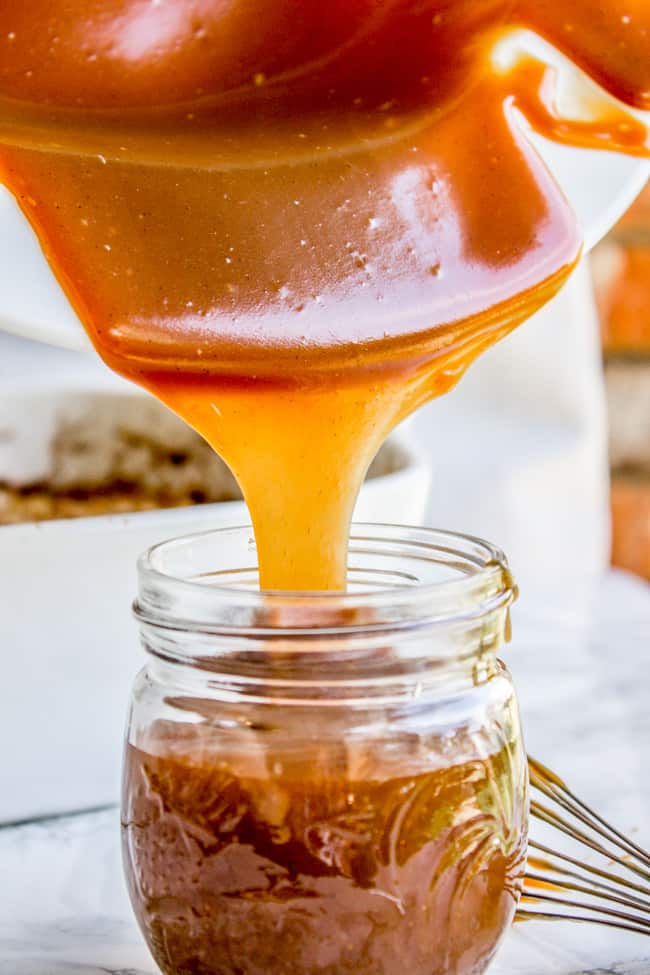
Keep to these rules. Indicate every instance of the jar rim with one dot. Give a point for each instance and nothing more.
(410, 577)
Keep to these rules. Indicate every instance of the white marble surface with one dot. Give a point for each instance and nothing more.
(581, 663)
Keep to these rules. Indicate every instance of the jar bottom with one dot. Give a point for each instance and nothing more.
(303, 869)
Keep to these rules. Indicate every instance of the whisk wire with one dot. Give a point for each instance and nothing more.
(524, 915)
(556, 789)
(607, 893)
(588, 867)
(553, 819)
(597, 908)
(586, 893)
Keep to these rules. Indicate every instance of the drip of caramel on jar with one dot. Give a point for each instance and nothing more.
(295, 222)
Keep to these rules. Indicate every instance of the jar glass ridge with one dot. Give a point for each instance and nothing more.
(325, 782)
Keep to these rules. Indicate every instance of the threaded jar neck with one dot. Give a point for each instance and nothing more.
(424, 610)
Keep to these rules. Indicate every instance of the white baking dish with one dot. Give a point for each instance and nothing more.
(69, 647)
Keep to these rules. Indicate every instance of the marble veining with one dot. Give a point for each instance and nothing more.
(580, 661)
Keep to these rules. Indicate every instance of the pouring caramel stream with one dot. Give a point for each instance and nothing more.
(296, 222)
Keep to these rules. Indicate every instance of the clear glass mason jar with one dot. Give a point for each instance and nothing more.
(325, 783)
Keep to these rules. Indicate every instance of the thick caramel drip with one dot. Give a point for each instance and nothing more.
(294, 226)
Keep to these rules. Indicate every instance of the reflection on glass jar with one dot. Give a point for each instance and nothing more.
(325, 783)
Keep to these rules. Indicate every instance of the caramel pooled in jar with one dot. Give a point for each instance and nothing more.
(301, 868)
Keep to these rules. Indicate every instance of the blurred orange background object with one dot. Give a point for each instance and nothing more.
(622, 277)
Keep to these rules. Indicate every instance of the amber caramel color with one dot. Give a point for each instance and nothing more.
(630, 501)
(296, 221)
(299, 870)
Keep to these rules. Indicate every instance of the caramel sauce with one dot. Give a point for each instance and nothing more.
(236, 863)
(295, 222)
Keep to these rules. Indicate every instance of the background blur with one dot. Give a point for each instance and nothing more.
(621, 269)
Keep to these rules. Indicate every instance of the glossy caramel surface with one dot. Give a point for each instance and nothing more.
(295, 222)
(241, 866)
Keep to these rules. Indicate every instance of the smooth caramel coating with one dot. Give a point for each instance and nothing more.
(294, 222)
(303, 869)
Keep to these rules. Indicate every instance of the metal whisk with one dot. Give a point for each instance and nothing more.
(559, 886)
